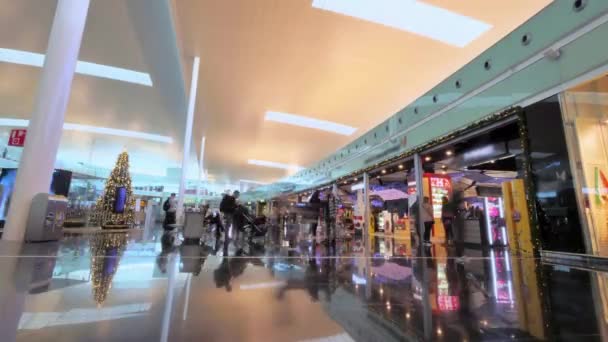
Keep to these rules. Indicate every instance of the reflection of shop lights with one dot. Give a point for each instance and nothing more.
(494, 275)
(488, 221)
(508, 260)
(502, 215)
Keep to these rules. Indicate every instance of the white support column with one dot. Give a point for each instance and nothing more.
(46, 124)
(187, 139)
(201, 169)
(366, 209)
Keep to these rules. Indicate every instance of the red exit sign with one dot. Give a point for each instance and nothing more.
(17, 137)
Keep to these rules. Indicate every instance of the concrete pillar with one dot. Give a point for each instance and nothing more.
(46, 124)
(187, 139)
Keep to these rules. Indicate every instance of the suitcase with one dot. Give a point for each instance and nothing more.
(193, 226)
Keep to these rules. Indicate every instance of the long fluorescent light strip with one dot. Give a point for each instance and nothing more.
(95, 129)
(302, 121)
(84, 68)
(275, 165)
(413, 16)
(252, 181)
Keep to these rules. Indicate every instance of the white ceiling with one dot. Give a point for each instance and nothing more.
(256, 56)
(287, 56)
(115, 35)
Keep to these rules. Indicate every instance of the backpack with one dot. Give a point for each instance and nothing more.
(227, 205)
(166, 205)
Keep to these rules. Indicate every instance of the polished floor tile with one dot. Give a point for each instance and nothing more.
(146, 286)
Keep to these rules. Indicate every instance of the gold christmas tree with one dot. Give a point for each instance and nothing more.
(109, 213)
(106, 251)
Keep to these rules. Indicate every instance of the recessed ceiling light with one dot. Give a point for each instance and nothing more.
(275, 165)
(427, 158)
(84, 68)
(303, 121)
(94, 129)
(401, 166)
(413, 16)
(448, 153)
(383, 171)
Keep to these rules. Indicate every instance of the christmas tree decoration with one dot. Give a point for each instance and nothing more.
(106, 251)
(114, 209)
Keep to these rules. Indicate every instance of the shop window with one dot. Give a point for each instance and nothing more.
(558, 217)
(475, 190)
(585, 111)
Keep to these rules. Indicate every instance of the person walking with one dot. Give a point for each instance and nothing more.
(170, 208)
(427, 219)
(228, 207)
(447, 218)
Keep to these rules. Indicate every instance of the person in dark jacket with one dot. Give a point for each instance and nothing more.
(228, 206)
(315, 204)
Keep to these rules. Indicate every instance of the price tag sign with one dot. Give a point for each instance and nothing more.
(17, 137)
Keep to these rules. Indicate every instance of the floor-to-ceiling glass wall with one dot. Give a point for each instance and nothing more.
(585, 112)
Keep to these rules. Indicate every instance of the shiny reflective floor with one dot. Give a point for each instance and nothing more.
(146, 286)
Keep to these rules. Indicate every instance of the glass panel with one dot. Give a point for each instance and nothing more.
(558, 218)
(586, 115)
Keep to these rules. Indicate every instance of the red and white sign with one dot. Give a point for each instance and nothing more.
(17, 137)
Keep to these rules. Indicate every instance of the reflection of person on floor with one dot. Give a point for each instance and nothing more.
(447, 218)
(315, 280)
(167, 242)
(427, 218)
(230, 268)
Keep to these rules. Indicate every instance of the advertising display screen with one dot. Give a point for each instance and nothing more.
(120, 200)
(60, 185)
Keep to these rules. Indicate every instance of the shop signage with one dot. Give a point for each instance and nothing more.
(17, 137)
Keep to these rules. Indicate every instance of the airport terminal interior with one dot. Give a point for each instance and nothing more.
(303, 170)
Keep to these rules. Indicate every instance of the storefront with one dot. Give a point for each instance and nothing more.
(506, 181)
(585, 114)
(391, 199)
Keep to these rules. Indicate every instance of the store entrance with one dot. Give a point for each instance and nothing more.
(391, 200)
(476, 190)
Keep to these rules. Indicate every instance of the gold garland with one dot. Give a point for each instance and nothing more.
(101, 276)
(120, 177)
(430, 144)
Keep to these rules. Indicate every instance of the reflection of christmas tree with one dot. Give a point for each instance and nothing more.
(106, 250)
(114, 208)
